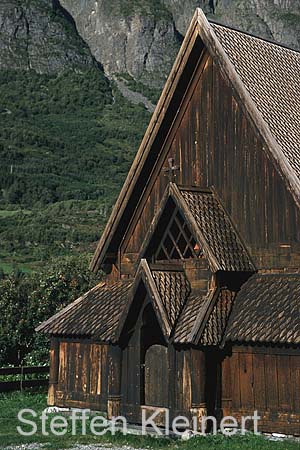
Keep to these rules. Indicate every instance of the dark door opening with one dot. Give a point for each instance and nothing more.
(154, 361)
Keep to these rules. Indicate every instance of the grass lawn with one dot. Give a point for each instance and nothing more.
(10, 404)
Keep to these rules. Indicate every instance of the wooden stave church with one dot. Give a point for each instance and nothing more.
(202, 263)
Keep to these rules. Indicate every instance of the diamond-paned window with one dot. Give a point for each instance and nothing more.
(177, 241)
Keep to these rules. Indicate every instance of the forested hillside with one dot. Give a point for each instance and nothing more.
(66, 143)
(67, 139)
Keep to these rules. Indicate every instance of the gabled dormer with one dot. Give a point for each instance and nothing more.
(191, 223)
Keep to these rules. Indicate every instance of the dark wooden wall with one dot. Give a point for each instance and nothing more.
(82, 374)
(215, 144)
(265, 379)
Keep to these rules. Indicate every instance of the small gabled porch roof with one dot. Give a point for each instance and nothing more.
(167, 291)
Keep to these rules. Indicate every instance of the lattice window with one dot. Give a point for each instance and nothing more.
(177, 241)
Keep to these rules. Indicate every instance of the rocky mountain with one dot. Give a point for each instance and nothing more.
(142, 37)
(139, 38)
(35, 34)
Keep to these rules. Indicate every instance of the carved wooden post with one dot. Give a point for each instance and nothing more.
(53, 373)
(198, 381)
(114, 381)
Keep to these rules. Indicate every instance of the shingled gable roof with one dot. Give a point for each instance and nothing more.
(210, 226)
(95, 314)
(167, 290)
(204, 318)
(266, 310)
(194, 316)
(266, 78)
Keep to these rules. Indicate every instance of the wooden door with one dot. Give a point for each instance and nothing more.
(156, 376)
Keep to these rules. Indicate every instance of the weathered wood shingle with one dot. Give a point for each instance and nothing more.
(95, 314)
(267, 310)
(204, 318)
(217, 230)
(196, 306)
(174, 289)
(271, 75)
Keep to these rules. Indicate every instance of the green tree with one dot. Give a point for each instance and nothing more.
(28, 299)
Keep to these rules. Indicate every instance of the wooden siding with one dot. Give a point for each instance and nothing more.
(215, 144)
(263, 379)
(82, 375)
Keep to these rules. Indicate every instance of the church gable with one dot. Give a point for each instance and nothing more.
(225, 135)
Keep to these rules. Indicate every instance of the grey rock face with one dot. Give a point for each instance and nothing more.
(33, 36)
(138, 37)
(134, 41)
(278, 20)
(142, 39)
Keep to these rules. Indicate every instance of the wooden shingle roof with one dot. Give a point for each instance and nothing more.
(218, 232)
(194, 311)
(267, 310)
(271, 75)
(167, 290)
(173, 288)
(210, 225)
(204, 318)
(96, 314)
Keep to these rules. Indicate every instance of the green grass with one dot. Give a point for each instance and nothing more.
(10, 404)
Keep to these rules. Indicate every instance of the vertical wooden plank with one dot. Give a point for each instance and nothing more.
(62, 367)
(235, 377)
(171, 378)
(99, 367)
(71, 367)
(124, 379)
(85, 369)
(104, 370)
(259, 385)
(179, 382)
(295, 381)
(186, 380)
(246, 380)
(284, 383)
(271, 382)
(198, 378)
(114, 380)
(227, 386)
(54, 370)
(92, 373)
